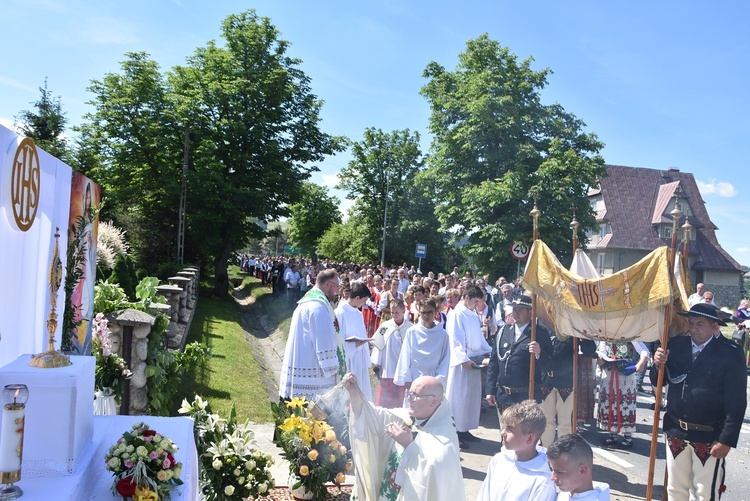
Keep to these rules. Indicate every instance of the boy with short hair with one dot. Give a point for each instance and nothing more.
(572, 460)
(520, 470)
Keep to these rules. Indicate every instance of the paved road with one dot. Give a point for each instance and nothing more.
(614, 465)
(625, 471)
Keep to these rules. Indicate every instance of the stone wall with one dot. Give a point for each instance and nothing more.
(726, 295)
(130, 329)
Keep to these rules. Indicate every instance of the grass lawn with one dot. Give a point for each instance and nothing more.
(231, 374)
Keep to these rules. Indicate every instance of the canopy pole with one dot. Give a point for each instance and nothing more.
(676, 214)
(574, 417)
(532, 358)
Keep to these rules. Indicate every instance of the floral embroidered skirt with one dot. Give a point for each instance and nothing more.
(617, 402)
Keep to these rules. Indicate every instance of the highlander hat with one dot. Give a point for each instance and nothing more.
(522, 301)
(704, 310)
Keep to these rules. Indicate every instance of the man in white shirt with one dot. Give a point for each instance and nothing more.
(291, 278)
(403, 282)
(697, 296)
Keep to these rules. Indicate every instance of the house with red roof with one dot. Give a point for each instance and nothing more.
(633, 206)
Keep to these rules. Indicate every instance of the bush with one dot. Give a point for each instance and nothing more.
(166, 270)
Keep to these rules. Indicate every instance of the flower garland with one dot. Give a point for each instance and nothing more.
(143, 464)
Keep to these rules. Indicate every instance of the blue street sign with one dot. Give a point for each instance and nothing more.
(421, 252)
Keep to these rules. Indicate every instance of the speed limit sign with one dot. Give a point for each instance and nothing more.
(519, 250)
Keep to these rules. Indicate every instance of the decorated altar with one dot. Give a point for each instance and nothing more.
(51, 444)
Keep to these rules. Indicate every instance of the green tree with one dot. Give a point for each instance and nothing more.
(347, 242)
(495, 145)
(384, 166)
(312, 216)
(46, 125)
(132, 145)
(256, 126)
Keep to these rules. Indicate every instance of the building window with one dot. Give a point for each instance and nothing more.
(600, 259)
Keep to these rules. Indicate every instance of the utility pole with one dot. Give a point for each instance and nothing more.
(183, 199)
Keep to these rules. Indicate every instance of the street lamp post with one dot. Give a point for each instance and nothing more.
(376, 150)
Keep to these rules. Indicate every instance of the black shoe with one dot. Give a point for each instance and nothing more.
(611, 440)
(467, 437)
(626, 443)
(462, 445)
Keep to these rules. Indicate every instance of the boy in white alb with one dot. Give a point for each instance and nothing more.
(572, 460)
(520, 470)
(352, 325)
(425, 350)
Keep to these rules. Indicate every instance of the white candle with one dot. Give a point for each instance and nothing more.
(11, 438)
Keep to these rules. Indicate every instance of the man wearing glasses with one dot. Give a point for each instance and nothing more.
(405, 453)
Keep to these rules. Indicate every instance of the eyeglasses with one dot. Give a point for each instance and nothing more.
(414, 396)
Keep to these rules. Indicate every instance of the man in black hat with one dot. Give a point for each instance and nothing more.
(706, 404)
(509, 367)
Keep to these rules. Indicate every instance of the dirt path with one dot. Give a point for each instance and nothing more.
(266, 341)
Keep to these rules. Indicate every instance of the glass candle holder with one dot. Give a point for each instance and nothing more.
(14, 398)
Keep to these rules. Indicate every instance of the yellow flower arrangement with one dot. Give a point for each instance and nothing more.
(315, 454)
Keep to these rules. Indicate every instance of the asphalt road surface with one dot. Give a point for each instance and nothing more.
(627, 470)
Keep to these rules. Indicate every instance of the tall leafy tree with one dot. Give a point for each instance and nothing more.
(132, 145)
(346, 242)
(312, 216)
(46, 124)
(384, 166)
(256, 133)
(495, 146)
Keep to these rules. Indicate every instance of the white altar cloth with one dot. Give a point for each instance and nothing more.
(95, 482)
(59, 414)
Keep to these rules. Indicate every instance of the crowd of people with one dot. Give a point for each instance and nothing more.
(454, 345)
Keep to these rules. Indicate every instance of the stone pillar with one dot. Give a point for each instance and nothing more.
(129, 330)
(193, 286)
(184, 284)
(172, 294)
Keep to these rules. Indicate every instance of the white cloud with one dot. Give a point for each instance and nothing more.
(720, 188)
(330, 180)
(107, 31)
(743, 250)
(10, 82)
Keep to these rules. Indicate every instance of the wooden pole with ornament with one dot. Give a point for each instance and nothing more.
(676, 214)
(532, 358)
(574, 415)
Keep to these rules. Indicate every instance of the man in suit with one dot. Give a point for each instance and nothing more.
(706, 404)
(509, 366)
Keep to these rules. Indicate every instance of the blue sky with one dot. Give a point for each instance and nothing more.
(663, 84)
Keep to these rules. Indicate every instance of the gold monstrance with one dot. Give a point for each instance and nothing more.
(52, 358)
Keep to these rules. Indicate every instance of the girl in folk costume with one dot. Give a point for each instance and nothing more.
(425, 350)
(408, 301)
(617, 389)
(387, 343)
(368, 309)
(390, 292)
(419, 294)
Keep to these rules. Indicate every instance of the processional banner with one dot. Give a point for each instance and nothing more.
(628, 305)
